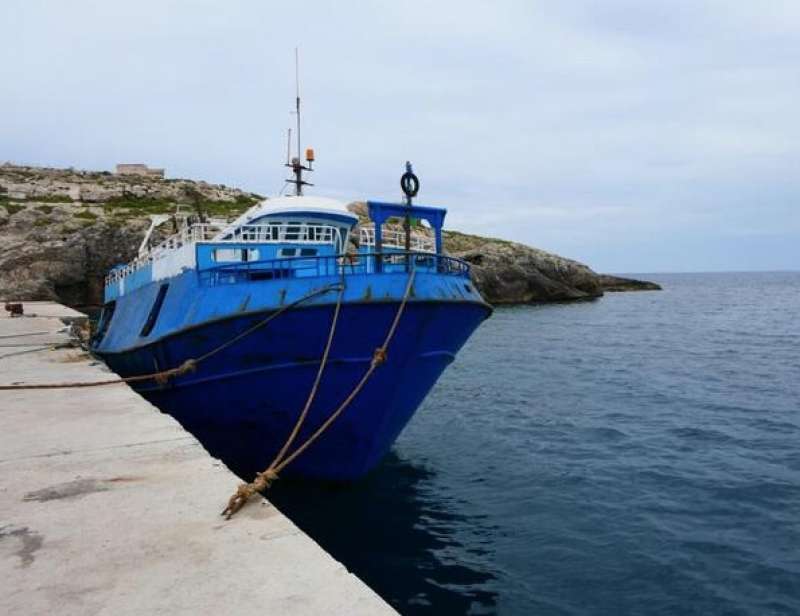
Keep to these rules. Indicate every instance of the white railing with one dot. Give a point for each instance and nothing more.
(396, 238)
(291, 233)
(299, 233)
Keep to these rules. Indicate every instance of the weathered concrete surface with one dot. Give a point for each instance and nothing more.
(109, 507)
(49, 310)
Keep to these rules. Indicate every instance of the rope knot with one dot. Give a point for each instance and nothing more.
(162, 378)
(379, 356)
(246, 490)
(190, 365)
(264, 480)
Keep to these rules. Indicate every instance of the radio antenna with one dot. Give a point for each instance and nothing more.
(297, 96)
(295, 163)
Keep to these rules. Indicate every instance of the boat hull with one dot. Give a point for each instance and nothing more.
(243, 402)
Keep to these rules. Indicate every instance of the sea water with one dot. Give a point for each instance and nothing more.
(638, 454)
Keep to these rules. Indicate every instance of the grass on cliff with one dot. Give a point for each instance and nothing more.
(52, 199)
(13, 208)
(86, 215)
(131, 206)
(139, 205)
(4, 198)
(455, 241)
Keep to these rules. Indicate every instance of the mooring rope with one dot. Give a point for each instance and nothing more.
(190, 365)
(28, 345)
(313, 392)
(24, 334)
(37, 350)
(264, 479)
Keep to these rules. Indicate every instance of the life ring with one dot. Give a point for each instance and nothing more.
(410, 184)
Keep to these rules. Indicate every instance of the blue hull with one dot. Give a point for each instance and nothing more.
(242, 403)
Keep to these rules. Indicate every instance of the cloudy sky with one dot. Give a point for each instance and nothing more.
(637, 136)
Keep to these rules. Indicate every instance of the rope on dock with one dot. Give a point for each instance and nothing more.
(49, 347)
(22, 335)
(190, 365)
(264, 479)
(16, 345)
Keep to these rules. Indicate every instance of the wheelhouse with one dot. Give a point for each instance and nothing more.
(292, 237)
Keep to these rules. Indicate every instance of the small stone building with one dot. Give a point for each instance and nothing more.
(139, 169)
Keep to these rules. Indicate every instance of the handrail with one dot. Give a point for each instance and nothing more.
(396, 238)
(335, 265)
(293, 233)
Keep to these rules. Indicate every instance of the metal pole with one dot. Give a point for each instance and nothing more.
(298, 169)
(407, 226)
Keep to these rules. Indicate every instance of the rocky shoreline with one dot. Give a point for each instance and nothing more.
(618, 284)
(61, 230)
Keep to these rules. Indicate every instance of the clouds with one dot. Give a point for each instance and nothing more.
(580, 127)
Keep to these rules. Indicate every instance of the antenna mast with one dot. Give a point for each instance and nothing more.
(295, 163)
(297, 96)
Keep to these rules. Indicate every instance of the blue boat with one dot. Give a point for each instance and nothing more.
(272, 335)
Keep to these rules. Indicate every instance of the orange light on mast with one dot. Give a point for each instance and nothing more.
(310, 155)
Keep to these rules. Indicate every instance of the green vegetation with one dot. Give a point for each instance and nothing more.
(86, 215)
(227, 208)
(13, 208)
(45, 209)
(455, 241)
(42, 221)
(248, 201)
(131, 205)
(52, 199)
(142, 205)
(121, 214)
(39, 199)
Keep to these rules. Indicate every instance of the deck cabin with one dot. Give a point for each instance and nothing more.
(290, 237)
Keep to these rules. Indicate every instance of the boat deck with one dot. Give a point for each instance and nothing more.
(109, 507)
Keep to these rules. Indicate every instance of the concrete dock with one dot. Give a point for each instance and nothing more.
(108, 506)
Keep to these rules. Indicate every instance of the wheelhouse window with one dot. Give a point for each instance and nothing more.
(235, 255)
(274, 230)
(294, 232)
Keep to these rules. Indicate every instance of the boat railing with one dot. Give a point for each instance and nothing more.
(396, 238)
(335, 265)
(294, 233)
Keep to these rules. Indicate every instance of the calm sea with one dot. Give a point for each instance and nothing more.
(639, 454)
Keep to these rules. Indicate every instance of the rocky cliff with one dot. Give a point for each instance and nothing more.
(512, 273)
(62, 229)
